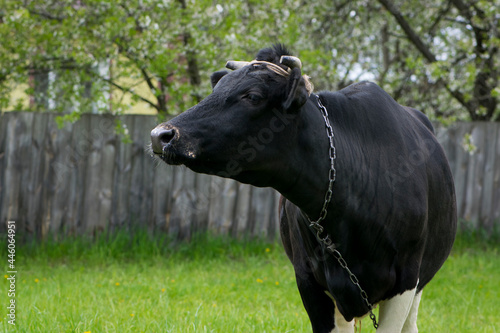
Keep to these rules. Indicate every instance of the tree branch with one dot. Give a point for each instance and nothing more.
(162, 105)
(439, 17)
(125, 89)
(428, 55)
(478, 31)
(148, 80)
(410, 33)
(46, 15)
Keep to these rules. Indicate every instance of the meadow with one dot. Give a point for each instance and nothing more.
(143, 283)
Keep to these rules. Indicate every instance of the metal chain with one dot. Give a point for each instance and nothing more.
(332, 173)
(355, 281)
(327, 241)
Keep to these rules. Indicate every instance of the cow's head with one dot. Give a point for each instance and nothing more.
(246, 126)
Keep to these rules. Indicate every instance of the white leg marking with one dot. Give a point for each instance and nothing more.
(393, 312)
(411, 321)
(341, 325)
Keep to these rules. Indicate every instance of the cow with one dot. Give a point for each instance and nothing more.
(367, 213)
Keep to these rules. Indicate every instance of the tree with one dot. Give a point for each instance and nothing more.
(136, 39)
(151, 42)
(461, 51)
(441, 57)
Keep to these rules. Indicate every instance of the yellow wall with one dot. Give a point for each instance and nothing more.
(137, 107)
(19, 95)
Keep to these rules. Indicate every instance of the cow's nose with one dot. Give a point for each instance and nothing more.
(160, 138)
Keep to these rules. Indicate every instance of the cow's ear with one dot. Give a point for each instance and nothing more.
(296, 94)
(216, 77)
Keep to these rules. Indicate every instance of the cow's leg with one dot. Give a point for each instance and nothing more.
(411, 321)
(393, 312)
(319, 306)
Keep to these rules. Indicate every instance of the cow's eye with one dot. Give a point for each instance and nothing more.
(253, 98)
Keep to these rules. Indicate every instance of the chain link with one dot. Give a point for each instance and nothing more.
(327, 241)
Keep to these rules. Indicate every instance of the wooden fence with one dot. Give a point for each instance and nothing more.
(84, 179)
(473, 151)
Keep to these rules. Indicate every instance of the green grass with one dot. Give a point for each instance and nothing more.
(139, 284)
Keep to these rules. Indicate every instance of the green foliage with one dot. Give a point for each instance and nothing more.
(467, 144)
(122, 130)
(67, 118)
(100, 51)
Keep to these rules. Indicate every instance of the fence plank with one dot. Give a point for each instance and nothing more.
(446, 137)
(162, 181)
(186, 205)
(262, 206)
(487, 176)
(203, 190)
(228, 206)
(68, 172)
(242, 215)
(41, 183)
(92, 185)
(18, 166)
(105, 192)
(12, 174)
(495, 197)
(4, 122)
(215, 204)
(122, 180)
(109, 140)
(62, 166)
(179, 207)
(136, 181)
(273, 229)
(475, 175)
(143, 127)
(461, 170)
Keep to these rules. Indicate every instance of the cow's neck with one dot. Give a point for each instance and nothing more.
(308, 179)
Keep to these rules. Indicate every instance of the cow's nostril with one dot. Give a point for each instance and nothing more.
(166, 136)
(160, 138)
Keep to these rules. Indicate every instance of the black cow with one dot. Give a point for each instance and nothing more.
(388, 223)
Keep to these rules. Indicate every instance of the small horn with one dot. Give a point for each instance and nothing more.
(234, 65)
(291, 61)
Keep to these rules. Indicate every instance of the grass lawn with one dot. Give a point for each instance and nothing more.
(214, 285)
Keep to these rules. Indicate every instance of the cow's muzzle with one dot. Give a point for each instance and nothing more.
(161, 137)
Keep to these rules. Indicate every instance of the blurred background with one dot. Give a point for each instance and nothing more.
(109, 240)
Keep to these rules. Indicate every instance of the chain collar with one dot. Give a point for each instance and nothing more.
(332, 173)
(316, 225)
